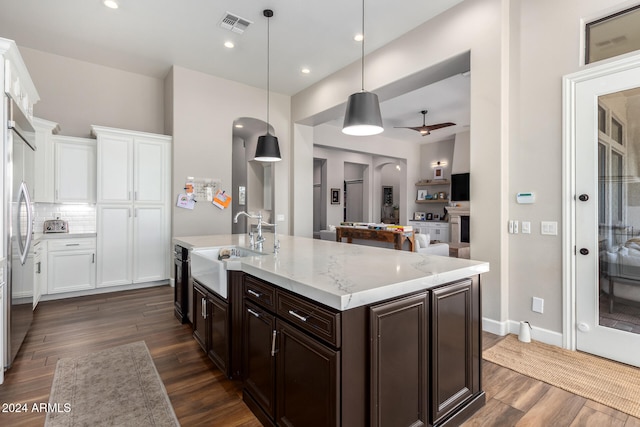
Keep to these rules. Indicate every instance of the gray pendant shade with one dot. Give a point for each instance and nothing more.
(362, 116)
(268, 149)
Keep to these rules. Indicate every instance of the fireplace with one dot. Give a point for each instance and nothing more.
(459, 220)
(464, 228)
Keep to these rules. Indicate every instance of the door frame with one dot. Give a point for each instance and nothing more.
(569, 145)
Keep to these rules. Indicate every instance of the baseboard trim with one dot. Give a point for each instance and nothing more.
(52, 297)
(513, 327)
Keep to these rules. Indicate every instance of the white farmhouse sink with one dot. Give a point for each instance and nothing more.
(207, 269)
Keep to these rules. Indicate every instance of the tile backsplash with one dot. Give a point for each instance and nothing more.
(81, 218)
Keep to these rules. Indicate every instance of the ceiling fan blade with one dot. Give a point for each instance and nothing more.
(440, 126)
(416, 128)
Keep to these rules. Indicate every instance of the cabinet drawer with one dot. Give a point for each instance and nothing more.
(316, 320)
(71, 244)
(260, 292)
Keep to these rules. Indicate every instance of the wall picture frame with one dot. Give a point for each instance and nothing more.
(335, 196)
(419, 216)
(422, 194)
(438, 173)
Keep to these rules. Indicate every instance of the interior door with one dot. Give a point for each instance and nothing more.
(607, 212)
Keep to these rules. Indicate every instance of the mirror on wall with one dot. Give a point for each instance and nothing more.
(252, 181)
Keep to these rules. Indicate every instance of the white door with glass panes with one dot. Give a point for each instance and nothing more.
(602, 123)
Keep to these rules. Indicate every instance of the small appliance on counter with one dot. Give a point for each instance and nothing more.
(56, 226)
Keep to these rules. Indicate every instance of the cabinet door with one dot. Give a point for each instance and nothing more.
(455, 353)
(71, 271)
(151, 171)
(43, 180)
(200, 315)
(114, 245)
(399, 362)
(115, 162)
(258, 361)
(307, 371)
(218, 334)
(75, 170)
(150, 244)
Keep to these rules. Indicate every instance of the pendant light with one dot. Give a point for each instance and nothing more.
(268, 149)
(362, 116)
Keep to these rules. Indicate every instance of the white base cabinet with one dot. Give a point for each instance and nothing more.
(436, 230)
(71, 265)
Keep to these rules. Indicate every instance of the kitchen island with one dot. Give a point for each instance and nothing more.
(326, 333)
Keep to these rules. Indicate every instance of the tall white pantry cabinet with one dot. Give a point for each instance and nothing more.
(133, 206)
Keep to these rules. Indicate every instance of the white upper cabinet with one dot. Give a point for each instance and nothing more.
(43, 185)
(132, 166)
(151, 171)
(74, 169)
(115, 169)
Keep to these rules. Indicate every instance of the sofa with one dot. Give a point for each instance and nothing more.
(620, 269)
(423, 243)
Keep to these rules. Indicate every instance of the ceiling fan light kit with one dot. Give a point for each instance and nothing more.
(362, 116)
(426, 129)
(268, 148)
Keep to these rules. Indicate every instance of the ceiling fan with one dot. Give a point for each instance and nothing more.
(424, 129)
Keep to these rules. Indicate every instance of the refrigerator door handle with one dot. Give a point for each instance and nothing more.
(24, 250)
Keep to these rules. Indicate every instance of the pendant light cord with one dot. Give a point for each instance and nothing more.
(268, 33)
(362, 66)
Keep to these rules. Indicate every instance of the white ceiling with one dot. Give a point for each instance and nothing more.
(149, 36)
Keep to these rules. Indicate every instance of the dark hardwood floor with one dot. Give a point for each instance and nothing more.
(200, 394)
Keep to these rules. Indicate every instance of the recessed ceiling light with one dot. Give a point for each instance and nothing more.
(358, 37)
(239, 126)
(111, 4)
(305, 70)
(229, 44)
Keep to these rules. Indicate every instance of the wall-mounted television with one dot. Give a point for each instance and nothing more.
(460, 187)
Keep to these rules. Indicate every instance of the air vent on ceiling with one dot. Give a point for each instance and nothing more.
(234, 23)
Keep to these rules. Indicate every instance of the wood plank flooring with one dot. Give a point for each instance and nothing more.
(200, 394)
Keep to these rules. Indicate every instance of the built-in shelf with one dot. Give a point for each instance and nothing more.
(433, 201)
(434, 182)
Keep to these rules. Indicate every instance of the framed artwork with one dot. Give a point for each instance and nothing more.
(335, 196)
(429, 216)
(436, 217)
(419, 216)
(438, 173)
(422, 194)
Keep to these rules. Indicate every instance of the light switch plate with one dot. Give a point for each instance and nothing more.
(549, 228)
(526, 227)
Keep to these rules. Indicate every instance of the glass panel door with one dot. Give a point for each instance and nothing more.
(607, 211)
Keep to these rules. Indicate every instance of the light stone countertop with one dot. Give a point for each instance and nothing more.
(340, 275)
(50, 236)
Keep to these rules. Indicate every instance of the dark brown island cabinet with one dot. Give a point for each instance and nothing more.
(413, 360)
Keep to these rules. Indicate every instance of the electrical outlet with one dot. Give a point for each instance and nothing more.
(280, 217)
(537, 305)
(57, 215)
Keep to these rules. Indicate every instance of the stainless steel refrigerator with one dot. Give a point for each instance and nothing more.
(19, 147)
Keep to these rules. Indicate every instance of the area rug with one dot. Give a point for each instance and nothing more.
(613, 384)
(119, 386)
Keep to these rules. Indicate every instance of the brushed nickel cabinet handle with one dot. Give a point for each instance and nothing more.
(253, 312)
(297, 316)
(273, 343)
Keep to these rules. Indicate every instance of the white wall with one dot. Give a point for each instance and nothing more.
(204, 108)
(77, 94)
(474, 27)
